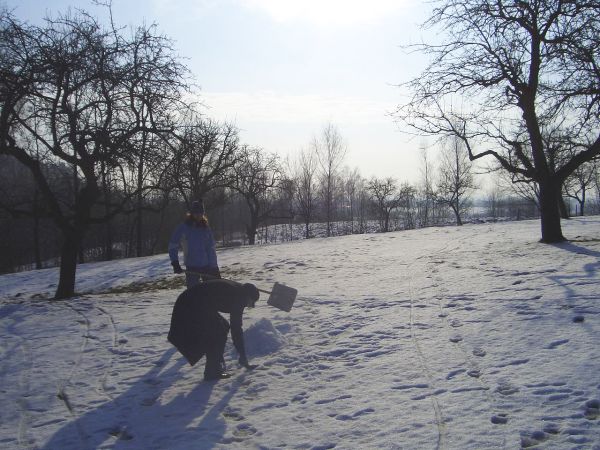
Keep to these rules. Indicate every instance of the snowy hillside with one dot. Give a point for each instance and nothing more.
(476, 337)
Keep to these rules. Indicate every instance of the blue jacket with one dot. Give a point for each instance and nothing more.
(198, 246)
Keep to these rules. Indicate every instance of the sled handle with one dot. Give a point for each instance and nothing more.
(212, 276)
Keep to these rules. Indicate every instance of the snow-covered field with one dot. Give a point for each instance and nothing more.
(453, 338)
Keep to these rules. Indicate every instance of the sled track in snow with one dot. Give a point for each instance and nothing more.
(114, 334)
(86, 323)
(439, 419)
(62, 393)
(23, 404)
(469, 361)
(18, 350)
(480, 379)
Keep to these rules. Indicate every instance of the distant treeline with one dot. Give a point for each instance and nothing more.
(30, 239)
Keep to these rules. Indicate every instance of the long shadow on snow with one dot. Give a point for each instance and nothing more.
(126, 422)
(590, 269)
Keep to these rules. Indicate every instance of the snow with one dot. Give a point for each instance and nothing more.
(473, 337)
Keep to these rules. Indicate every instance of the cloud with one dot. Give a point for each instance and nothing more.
(328, 12)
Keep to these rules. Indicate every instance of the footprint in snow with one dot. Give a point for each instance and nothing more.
(558, 343)
(455, 373)
(551, 428)
(353, 416)
(302, 397)
(149, 401)
(534, 439)
(455, 323)
(478, 351)
(499, 419)
(232, 414)
(507, 389)
(120, 433)
(592, 409)
(244, 430)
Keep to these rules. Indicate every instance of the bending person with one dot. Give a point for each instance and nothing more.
(197, 309)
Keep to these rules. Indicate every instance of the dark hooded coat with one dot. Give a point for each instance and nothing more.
(197, 328)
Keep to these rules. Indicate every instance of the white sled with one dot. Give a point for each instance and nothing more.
(281, 297)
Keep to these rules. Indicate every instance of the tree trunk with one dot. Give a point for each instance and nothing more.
(456, 212)
(251, 234)
(251, 229)
(36, 230)
(108, 246)
(139, 249)
(140, 201)
(68, 264)
(562, 208)
(549, 211)
(73, 240)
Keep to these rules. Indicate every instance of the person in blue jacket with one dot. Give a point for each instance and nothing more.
(199, 254)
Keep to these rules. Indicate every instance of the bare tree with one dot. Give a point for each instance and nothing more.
(494, 199)
(387, 197)
(285, 205)
(578, 184)
(331, 150)
(257, 175)
(426, 191)
(519, 71)
(352, 186)
(305, 168)
(205, 154)
(596, 181)
(455, 180)
(75, 90)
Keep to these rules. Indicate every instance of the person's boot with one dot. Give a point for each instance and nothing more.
(213, 370)
(217, 376)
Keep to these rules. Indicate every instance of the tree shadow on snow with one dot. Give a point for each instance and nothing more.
(590, 270)
(136, 418)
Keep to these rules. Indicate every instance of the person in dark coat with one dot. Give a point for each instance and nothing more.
(197, 328)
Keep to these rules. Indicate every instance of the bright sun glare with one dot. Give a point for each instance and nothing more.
(328, 12)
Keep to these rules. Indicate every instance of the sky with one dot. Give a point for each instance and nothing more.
(458, 338)
(281, 70)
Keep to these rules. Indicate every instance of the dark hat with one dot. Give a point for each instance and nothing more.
(251, 292)
(197, 207)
